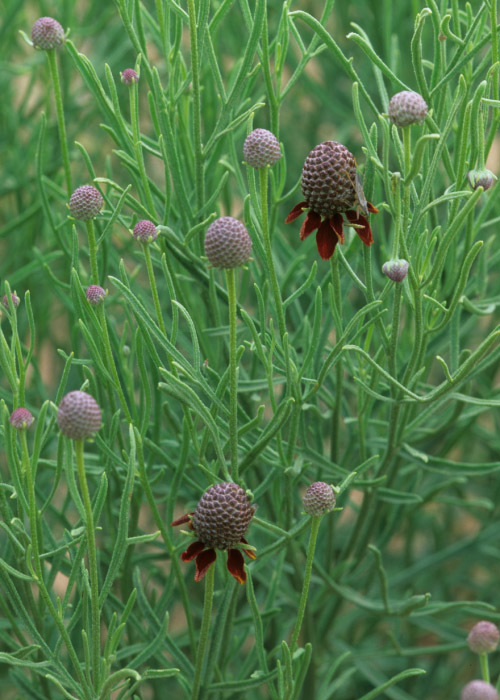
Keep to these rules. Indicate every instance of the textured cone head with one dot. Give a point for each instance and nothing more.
(396, 270)
(21, 419)
(227, 243)
(15, 301)
(85, 203)
(481, 178)
(407, 108)
(261, 148)
(478, 690)
(129, 76)
(47, 34)
(319, 499)
(79, 416)
(222, 516)
(95, 294)
(145, 231)
(483, 637)
(328, 179)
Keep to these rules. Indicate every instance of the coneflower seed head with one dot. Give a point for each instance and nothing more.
(406, 108)
(319, 499)
(227, 243)
(79, 415)
(222, 515)
(483, 637)
(261, 148)
(329, 178)
(47, 34)
(478, 690)
(85, 203)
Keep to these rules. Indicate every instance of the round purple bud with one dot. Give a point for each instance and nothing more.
(79, 416)
(396, 270)
(129, 76)
(478, 690)
(15, 301)
(95, 294)
(481, 178)
(85, 203)
(483, 637)
(47, 34)
(21, 419)
(319, 499)
(227, 243)
(145, 231)
(406, 108)
(261, 148)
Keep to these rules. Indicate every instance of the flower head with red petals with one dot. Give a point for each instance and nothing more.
(219, 521)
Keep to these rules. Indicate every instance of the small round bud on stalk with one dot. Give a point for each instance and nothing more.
(227, 243)
(261, 148)
(47, 34)
(21, 419)
(406, 108)
(79, 416)
(396, 270)
(479, 690)
(319, 499)
(95, 294)
(483, 637)
(85, 203)
(129, 76)
(481, 178)
(15, 301)
(145, 231)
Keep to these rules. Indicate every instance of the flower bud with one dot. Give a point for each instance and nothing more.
(47, 34)
(95, 294)
(21, 419)
(145, 231)
(85, 203)
(483, 637)
(15, 301)
(319, 499)
(481, 178)
(478, 690)
(79, 415)
(396, 270)
(129, 76)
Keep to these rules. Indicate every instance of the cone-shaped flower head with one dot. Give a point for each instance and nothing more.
(47, 34)
(95, 294)
(85, 203)
(481, 178)
(478, 690)
(220, 521)
(396, 270)
(145, 231)
(79, 416)
(227, 243)
(319, 499)
(483, 637)
(21, 419)
(406, 108)
(15, 300)
(129, 76)
(261, 148)
(332, 188)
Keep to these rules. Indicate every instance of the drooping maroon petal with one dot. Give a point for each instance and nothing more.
(326, 240)
(180, 521)
(337, 223)
(311, 223)
(192, 551)
(296, 212)
(203, 562)
(371, 208)
(361, 226)
(249, 552)
(236, 565)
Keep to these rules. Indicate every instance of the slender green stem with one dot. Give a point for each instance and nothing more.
(92, 559)
(315, 521)
(195, 70)
(154, 289)
(339, 372)
(205, 628)
(111, 362)
(94, 271)
(33, 515)
(54, 74)
(233, 375)
(136, 137)
(485, 669)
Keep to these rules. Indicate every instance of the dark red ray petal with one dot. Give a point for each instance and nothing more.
(361, 226)
(311, 223)
(203, 562)
(326, 240)
(180, 521)
(236, 565)
(192, 551)
(296, 212)
(337, 223)
(249, 552)
(371, 208)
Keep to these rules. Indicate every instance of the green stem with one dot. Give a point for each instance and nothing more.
(154, 289)
(205, 628)
(136, 137)
(198, 148)
(54, 74)
(92, 560)
(339, 372)
(485, 669)
(315, 521)
(111, 362)
(233, 376)
(94, 271)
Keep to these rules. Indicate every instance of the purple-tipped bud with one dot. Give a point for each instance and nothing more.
(15, 301)
(319, 499)
(145, 231)
(85, 203)
(481, 178)
(21, 419)
(396, 270)
(483, 637)
(261, 148)
(95, 294)
(129, 76)
(222, 515)
(406, 108)
(478, 690)
(79, 416)
(227, 243)
(47, 34)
